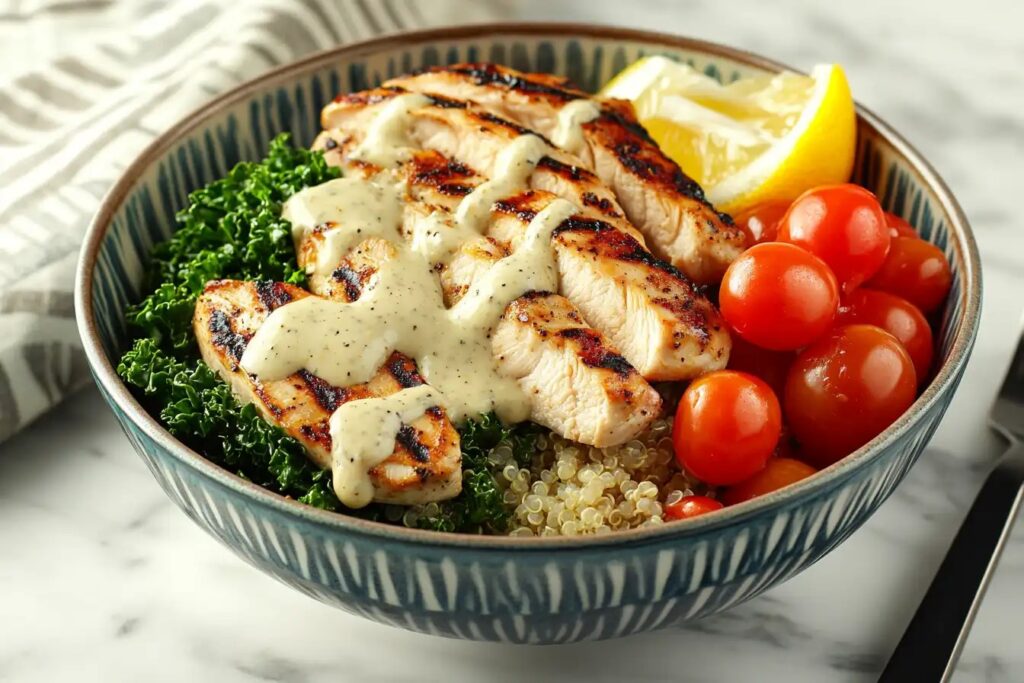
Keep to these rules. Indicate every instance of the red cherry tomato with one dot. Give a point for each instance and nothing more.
(771, 366)
(844, 226)
(917, 271)
(779, 296)
(779, 472)
(760, 222)
(691, 506)
(899, 227)
(843, 390)
(898, 317)
(726, 426)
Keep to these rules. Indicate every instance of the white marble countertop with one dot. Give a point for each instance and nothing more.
(102, 579)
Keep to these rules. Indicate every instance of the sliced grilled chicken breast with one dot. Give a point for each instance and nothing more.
(426, 463)
(579, 387)
(667, 206)
(647, 309)
(611, 402)
(475, 137)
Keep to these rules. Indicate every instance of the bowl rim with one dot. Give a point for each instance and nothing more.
(104, 373)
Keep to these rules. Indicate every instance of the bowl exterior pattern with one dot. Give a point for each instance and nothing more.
(539, 594)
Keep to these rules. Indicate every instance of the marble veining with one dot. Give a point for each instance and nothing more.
(131, 587)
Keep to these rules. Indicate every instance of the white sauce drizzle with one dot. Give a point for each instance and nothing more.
(371, 424)
(513, 166)
(349, 210)
(346, 343)
(568, 133)
(438, 237)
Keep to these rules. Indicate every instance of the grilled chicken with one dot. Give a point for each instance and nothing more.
(578, 386)
(646, 308)
(668, 207)
(475, 137)
(426, 463)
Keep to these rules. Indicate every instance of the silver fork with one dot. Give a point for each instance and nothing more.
(931, 645)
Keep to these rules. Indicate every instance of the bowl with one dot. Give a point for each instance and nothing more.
(527, 590)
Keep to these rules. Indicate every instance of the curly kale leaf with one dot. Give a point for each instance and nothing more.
(198, 408)
(232, 228)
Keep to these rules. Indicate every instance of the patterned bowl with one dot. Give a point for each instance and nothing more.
(532, 590)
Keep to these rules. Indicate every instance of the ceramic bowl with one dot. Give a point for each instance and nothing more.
(532, 590)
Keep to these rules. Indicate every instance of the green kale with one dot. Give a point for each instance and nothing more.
(232, 228)
(198, 408)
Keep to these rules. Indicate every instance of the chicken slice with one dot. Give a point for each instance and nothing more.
(667, 206)
(475, 137)
(647, 308)
(426, 463)
(579, 387)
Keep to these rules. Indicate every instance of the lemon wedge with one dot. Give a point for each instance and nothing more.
(756, 139)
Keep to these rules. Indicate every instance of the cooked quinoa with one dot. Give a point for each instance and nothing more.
(573, 489)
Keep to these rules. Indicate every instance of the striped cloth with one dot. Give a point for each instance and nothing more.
(85, 86)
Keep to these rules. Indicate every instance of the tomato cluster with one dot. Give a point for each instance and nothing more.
(827, 310)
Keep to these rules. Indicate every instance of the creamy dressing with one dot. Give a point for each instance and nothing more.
(512, 168)
(347, 211)
(437, 237)
(346, 343)
(371, 425)
(568, 133)
(530, 267)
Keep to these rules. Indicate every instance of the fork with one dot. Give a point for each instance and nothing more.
(931, 645)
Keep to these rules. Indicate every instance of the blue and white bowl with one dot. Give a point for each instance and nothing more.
(532, 590)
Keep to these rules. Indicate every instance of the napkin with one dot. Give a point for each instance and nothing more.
(84, 88)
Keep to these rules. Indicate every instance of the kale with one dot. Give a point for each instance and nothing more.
(232, 228)
(479, 508)
(198, 408)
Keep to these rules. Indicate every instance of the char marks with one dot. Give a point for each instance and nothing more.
(351, 280)
(225, 337)
(491, 74)
(595, 353)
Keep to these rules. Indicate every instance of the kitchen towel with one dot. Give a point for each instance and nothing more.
(84, 87)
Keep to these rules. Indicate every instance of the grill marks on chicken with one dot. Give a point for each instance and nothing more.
(475, 137)
(646, 308)
(666, 205)
(578, 385)
(426, 462)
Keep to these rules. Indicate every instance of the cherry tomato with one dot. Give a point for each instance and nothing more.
(899, 227)
(779, 472)
(843, 390)
(771, 366)
(844, 226)
(917, 271)
(898, 317)
(691, 506)
(726, 426)
(760, 222)
(779, 296)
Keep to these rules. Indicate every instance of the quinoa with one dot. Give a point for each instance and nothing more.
(572, 489)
